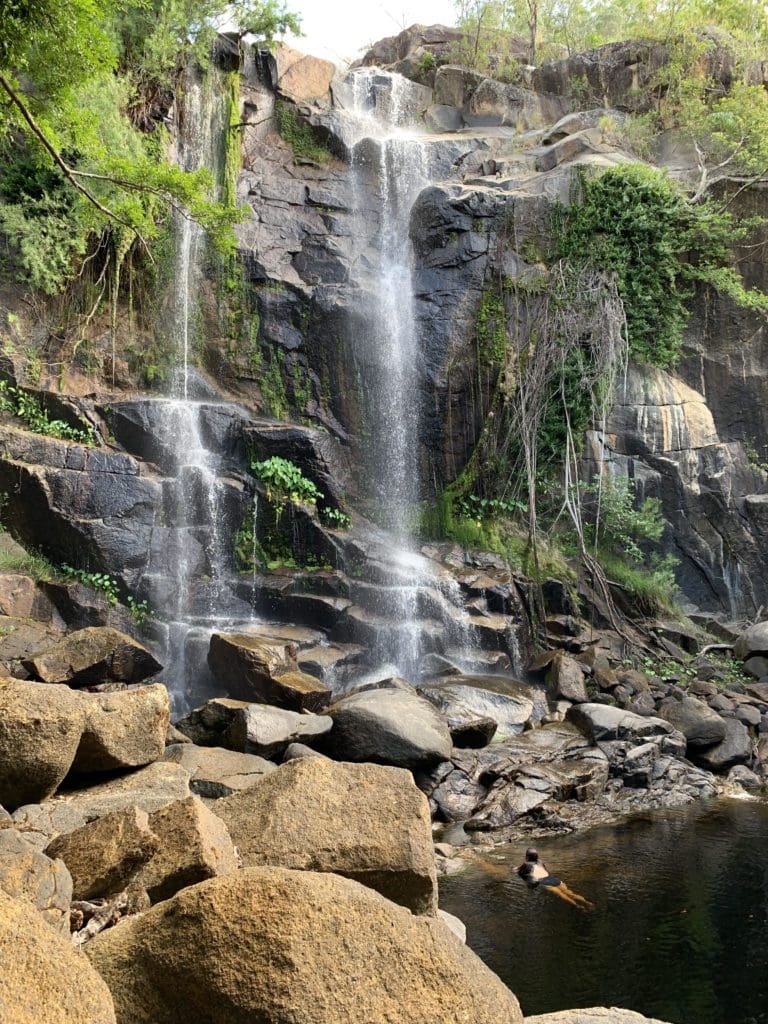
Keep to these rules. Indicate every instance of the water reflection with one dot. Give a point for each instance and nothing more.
(680, 931)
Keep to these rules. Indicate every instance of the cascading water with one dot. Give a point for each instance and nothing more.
(402, 171)
(196, 530)
(386, 147)
(197, 467)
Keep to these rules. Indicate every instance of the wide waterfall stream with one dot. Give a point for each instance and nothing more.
(680, 929)
(390, 157)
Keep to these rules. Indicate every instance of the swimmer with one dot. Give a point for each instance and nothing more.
(535, 873)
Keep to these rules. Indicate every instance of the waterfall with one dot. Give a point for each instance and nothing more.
(389, 153)
(198, 494)
(195, 525)
(401, 167)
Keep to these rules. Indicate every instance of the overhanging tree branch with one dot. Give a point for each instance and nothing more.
(66, 170)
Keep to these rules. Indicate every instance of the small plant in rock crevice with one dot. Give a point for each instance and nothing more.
(101, 581)
(285, 481)
(139, 610)
(300, 136)
(28, 409)
(335, 518)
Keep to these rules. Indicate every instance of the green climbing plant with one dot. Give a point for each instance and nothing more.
(633, 222)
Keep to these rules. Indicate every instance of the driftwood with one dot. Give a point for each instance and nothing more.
(715, 647)
(89, 917)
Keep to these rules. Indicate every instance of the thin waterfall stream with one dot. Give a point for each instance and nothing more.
(197, 531)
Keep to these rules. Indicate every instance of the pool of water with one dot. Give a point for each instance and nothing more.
(680, 926)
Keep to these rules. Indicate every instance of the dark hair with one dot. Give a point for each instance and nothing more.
(531, 854)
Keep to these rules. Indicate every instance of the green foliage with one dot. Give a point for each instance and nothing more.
(285, 481)
(620, 531)
(335, 518)
(488, 26)
(497, 530)
(552, 27)
(156, 35)
(232, 154)
(89, 73)
(28, 564)
(101, 581)
(617, 523)
(637, 224)
(272, 390)
(725, 672)
(426, 65)
(140, 611)
(243, 545)
(28, 408)
(477, 508)
(107, 585)
(300, 136)
(491, 327)
(651, 588)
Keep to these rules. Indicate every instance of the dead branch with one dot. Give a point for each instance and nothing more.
(715, 647)
(89, 917)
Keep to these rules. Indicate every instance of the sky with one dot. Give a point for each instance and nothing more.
(341, 30)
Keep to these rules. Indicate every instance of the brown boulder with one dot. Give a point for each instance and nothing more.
(20, 638)
(266, 731)
(365, 821)
(46, 731)
(43, 980)
(40, 823)
(104, 855)
(149, 788)
(216, 772)
(40, 729)
(701, 726)
(297, 691)
(97, 654)
(21, 598)
(566, 680)
(239, 660)
(593, 1015)
(258, 669)
(27, 874)
(307, 79)
(208, 725)
(753, 642)
(293, 947)
(125, 729)
(389, 726)
(193, 845)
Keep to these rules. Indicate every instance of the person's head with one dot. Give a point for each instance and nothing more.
(531, 854)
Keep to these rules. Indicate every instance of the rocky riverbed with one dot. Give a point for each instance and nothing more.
(298, 834)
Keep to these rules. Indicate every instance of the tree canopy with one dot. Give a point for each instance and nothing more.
(81, 149)
(556, 28)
